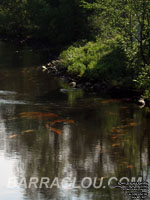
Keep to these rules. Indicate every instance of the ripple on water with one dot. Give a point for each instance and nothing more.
(5, 101)
(4, 92)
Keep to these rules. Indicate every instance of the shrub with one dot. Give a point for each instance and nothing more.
(143, 81)
(100, 60)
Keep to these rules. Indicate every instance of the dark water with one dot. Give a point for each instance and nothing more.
(52, 131)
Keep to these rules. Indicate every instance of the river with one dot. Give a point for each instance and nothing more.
(57, 142)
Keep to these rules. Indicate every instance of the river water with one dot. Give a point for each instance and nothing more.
(70, 137)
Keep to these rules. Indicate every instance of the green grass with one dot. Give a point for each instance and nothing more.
(98, 61)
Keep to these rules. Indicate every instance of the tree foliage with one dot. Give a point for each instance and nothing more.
(103, 62)
(62, 22)
(131, 20)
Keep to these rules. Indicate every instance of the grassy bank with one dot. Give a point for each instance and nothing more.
(102, 62)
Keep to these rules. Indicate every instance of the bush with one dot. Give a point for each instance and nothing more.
(100, 60)
(143, 81)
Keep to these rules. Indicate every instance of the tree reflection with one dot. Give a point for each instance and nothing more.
(84, 149)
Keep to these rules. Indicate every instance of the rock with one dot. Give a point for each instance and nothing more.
(73, 84)
(44, 68)
(48, 64)
(141, 102)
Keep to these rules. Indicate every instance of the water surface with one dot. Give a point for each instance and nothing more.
(50, 130)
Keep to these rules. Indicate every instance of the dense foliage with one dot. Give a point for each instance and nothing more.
(130, 20)
(97, 61)
(98, 23)
(58, 22)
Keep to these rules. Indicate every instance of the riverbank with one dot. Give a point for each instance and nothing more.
(99, 66)
(98, 50)
(54, 68)
(88, 84)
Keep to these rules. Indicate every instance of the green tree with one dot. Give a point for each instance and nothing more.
(131, 20)
(59, 22)
(13, 17)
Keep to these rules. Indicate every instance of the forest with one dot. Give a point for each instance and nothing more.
(101, 41)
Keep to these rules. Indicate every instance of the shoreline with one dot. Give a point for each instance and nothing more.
(73, 81)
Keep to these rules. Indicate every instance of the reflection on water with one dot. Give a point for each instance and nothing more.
(6, 92)
(48, 130)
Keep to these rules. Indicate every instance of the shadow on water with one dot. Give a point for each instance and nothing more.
(52, 131)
